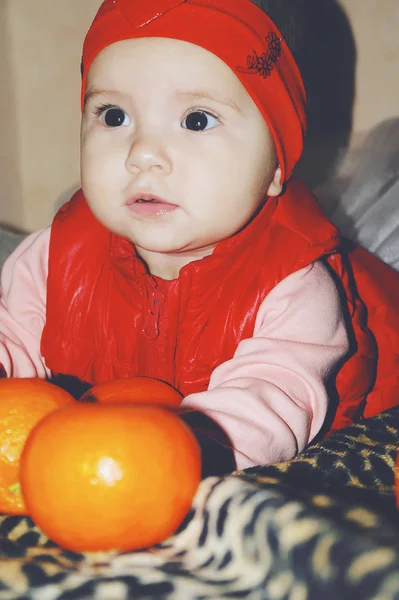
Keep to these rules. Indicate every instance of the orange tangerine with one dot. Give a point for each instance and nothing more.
(97, 477)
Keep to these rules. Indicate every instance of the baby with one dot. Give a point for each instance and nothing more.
(190, 254)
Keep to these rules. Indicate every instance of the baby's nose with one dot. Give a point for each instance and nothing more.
(148, 153)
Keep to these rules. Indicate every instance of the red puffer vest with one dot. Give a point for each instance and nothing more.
(108, 318)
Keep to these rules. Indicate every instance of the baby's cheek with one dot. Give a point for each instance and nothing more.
(96, 165)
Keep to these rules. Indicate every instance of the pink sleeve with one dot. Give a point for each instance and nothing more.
(23, 307)
(270, 398)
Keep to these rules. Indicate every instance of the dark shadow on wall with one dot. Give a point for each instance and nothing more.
(321, 39)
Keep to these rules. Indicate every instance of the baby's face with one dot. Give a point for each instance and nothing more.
(175, 155)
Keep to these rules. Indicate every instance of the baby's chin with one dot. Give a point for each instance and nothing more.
(168, 250)
(166, 260)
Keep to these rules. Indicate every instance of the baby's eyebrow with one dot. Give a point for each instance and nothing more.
(200, 95)
(94, 92)
(194, 94)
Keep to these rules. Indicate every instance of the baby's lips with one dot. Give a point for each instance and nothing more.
(148, 198)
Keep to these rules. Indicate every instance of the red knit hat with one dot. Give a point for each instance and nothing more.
(239, 33)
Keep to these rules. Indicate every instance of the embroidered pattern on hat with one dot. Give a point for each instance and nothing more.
(264, 64)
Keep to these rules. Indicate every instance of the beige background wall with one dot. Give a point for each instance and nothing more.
(40, 45)
(39, 100)
(375, 25)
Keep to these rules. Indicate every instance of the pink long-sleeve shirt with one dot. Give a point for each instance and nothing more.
(270, 398)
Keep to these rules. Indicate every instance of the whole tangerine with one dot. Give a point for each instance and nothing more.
(23, 402)
(99, 477)
(142, 390)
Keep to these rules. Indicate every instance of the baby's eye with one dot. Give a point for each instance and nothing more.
(200, 120)
(113, 116)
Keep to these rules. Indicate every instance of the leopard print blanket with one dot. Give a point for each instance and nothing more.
(321, 526)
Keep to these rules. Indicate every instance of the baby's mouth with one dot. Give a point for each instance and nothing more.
(147, 199)
(148, 205)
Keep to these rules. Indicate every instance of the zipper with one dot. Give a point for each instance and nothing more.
(150, 326)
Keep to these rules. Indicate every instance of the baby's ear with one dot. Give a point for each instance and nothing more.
(276, 186)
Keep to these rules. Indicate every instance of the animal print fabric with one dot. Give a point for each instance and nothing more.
(323, 526)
